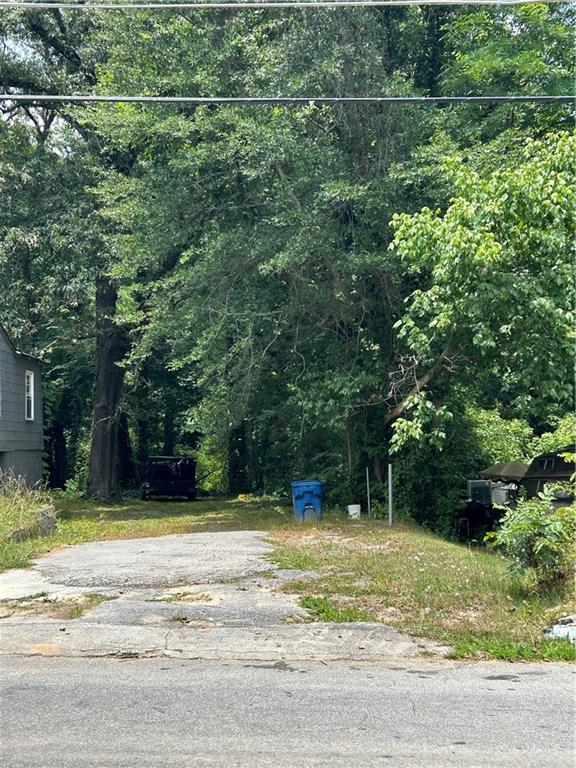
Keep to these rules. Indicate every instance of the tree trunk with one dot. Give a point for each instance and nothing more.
(127, 473)
(142, 445)
(378, 470)
(111, 347)
(169, 429)
(58, 455)
(238, 461)
(350, 459)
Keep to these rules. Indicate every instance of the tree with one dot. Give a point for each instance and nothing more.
(52, 53)
(245, 275)
(494, 296)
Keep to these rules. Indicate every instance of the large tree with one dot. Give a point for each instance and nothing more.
(248, 248)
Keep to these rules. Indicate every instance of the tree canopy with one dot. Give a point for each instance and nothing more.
(292, 291)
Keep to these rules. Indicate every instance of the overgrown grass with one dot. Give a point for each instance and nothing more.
(19, 506)
(426, 586)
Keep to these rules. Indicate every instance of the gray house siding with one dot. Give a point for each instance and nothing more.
(21, 439)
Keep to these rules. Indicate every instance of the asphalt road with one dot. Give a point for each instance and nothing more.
(161, 713)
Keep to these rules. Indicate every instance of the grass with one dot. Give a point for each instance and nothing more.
(324, 609)
(421, 584)
(405, 577)
(19, 506)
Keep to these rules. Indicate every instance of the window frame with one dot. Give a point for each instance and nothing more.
(29, 395)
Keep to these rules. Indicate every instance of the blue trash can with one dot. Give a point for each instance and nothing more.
(307, 500)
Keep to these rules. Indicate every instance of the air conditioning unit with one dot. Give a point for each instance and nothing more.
(480, 491)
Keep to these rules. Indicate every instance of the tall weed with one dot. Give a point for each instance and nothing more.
(19, 505)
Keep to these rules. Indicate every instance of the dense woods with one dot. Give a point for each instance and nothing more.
(292, 291)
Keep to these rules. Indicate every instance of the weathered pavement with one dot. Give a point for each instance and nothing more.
(237, 684)
(191, 596)
(167, 713)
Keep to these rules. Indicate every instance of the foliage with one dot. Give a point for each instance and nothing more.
(499, 439)
(538, 537)
(494, 291)
(562, 437)
(429, 481)
(267, 324)
(509, 50)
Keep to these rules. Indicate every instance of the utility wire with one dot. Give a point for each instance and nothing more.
(284, 100)
(113, 6)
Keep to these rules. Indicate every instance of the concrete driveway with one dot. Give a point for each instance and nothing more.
(204, 595)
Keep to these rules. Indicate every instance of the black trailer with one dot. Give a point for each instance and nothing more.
(169, 476)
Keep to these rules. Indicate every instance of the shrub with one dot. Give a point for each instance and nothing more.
(536, 536)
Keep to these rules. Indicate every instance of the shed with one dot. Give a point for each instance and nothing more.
(21, 417)
(547, 468)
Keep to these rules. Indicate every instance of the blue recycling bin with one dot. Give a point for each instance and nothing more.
(307, 500)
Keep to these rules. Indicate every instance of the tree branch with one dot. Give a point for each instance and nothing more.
(421, 382)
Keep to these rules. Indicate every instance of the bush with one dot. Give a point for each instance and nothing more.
(535, 536)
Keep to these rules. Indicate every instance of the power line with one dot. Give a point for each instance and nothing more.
(112, 6)
(282, 100)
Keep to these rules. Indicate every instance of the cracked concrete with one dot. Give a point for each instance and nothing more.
(206, 595)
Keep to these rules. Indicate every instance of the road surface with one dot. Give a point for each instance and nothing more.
(163, 713)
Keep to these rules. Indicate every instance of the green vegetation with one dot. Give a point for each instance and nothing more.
(293, 292)
(324, 609)
(413, 580)
(20, 507)
(68, 607)
(80, 521)
(562, 437)
(303, 291)
(534, 537)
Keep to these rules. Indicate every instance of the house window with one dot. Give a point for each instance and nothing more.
(29, 396)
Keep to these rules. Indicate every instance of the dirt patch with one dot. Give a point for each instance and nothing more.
(470, 616)
(198, 623)
(51, 607)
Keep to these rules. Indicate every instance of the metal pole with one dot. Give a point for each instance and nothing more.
(368, 491)
(390, 494)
